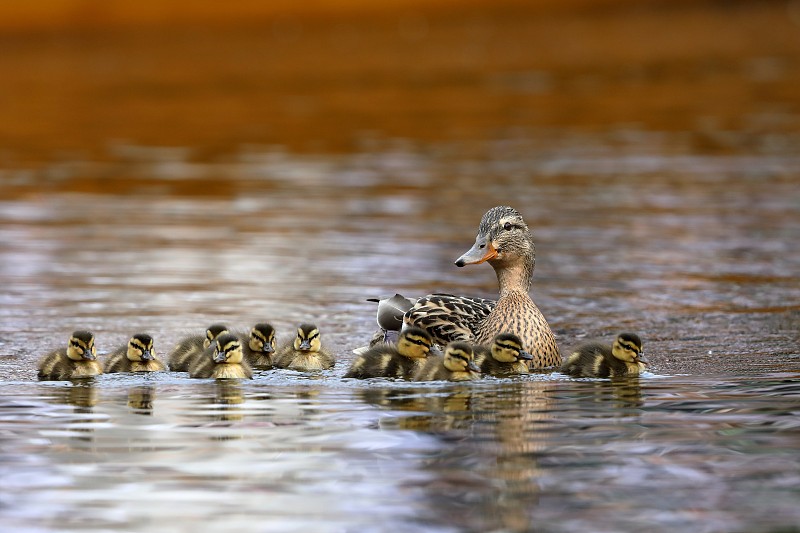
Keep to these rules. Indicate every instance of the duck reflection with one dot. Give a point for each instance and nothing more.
(140, 399)
(627, 392)
(447, 410)
(83, 395)
(495, 472)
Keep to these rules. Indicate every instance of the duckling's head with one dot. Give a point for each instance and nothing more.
(628, 347)
(307, 339)
(458, 357)
(228, 349)
(414, 343)
(81, 346)
(214, 331)
(262, 338)
(507, 348)
(140, 348)
(502, 236)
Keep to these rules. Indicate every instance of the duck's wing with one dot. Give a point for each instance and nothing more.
(448, 318)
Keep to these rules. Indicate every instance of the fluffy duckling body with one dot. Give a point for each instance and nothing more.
(456, 365)
(402, 360)
(77, 360)
(505, 357)
(138, 355)
(597, 360)
(224, 359)
(305, 353)
(259, 347)
(506, 243)
(191, 348)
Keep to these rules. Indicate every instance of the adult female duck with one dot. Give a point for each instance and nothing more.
(505, 242)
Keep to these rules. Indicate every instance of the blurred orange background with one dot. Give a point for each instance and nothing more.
(321, 76)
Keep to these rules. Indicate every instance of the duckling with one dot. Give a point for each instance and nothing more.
(192, 347)
(505, 357)
(305, 353)
(597, 360)
(77, 360)
(456, 365)
(136, 356)
(506, 243)
(260, 348)
(393, 361)
(222, 360)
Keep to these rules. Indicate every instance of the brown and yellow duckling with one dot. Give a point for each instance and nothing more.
(456, 365)
(597, 360)
(305, 353)
(402, 360)
(260, 347)
(138, 355)
(77, 360)
(224, 359)
(192, 347)
(505, 357)
(506, 243)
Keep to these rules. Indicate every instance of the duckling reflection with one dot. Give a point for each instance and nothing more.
(79, 429)
(226, 403)
(82, 393)
(440, 412)
(140, 399)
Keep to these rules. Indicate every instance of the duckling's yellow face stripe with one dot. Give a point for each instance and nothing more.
(412, 345)
(78, 349)
(625, 351)
(307, 341)
(137, 349)
(230, 353)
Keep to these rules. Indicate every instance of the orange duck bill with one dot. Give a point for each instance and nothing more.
(481, 251)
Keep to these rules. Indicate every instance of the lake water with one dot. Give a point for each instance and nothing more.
(682, 225)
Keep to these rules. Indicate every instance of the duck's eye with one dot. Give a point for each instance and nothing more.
(507, 226)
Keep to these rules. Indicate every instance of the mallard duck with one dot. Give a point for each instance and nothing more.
(222, 360)
(136, 356)
(77, 360)
(305, 353)
(506, 243)
(456, 365)
(504, 357)
(390, 318)
(402, 360)
(260, 347)
(597, 360)
(192, 347)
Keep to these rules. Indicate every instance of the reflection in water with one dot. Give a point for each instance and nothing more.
(82, 393)
(140, 399)
(535, 453)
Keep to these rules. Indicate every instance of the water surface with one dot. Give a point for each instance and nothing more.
(172, 181)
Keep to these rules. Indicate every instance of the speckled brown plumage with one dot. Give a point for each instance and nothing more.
(506, 243)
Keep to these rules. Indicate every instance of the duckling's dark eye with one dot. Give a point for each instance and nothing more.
(507, 226)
